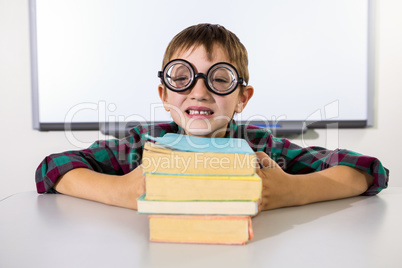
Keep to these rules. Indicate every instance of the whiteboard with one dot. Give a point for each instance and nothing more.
(97, 60)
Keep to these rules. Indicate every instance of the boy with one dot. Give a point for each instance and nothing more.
(203, 84)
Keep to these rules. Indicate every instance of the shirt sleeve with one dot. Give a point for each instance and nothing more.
(114, 157)
(297, 160)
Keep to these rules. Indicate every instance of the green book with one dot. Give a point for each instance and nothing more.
(186, 143)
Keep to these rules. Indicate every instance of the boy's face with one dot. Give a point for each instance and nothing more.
(197, 110)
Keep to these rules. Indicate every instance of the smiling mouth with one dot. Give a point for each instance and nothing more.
(200, 112)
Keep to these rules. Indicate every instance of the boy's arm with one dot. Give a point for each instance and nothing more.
(281, 189)
(113, 157)
(294, 159)
(114, 190)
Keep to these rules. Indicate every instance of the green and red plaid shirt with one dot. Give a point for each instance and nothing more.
(120, 156)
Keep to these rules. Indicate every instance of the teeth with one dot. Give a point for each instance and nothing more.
(199, 112)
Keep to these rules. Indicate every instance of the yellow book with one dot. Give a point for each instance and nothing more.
(179, 187)
(182, 154)
(200, 229)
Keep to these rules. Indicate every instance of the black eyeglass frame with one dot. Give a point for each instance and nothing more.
(163, 75)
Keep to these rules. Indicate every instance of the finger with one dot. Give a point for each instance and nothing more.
(264, 160)
(260, 155)
(259, 172)
(258, 165)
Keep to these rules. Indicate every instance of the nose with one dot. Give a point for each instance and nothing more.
(200, 91)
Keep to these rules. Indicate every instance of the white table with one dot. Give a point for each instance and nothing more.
(61, 231)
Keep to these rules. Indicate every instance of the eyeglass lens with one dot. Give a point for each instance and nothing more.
(179, 76)
(221, 79)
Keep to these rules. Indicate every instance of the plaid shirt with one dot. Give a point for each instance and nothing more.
(120, 156)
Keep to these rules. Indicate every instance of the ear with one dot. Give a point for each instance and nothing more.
(244, 98)
(164, 98)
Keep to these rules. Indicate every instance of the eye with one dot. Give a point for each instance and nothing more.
(180, 81)
(222, 76)
(220, 80)
(179, 78)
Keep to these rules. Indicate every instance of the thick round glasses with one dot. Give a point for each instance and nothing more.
(222, 78)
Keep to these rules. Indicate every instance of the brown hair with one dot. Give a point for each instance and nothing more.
(208, 35)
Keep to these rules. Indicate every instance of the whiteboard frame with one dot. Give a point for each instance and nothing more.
(61, 126)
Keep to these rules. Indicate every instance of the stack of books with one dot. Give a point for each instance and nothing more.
(199, 190)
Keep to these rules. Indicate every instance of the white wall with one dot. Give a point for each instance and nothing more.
(22, 148)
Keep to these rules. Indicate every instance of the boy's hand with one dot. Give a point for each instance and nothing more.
(278, 189)
(135, 183)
